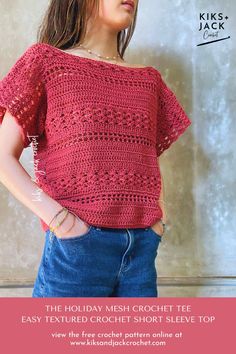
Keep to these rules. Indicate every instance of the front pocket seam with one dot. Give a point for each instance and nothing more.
(75, 238)
(156, 234)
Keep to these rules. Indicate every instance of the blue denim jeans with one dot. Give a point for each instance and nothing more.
(103, 262)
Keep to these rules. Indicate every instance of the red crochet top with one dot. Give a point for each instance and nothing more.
(98, 130)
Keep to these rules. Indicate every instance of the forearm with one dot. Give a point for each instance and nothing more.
(16, 179)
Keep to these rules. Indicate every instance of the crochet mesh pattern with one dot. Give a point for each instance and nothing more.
(100, 128)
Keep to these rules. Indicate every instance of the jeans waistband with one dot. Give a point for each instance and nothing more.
(115, 229)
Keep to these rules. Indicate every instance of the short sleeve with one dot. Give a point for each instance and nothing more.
(172, 120)
(23, 94)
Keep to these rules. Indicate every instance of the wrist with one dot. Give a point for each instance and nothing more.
(163, 222)
(66, 225)
(50, 208)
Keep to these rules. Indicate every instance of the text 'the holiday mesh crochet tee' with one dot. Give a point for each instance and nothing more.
(99, 129)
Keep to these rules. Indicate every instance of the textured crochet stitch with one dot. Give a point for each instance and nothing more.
(100, 128)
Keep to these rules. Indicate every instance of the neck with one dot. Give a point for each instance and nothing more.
(101, 40)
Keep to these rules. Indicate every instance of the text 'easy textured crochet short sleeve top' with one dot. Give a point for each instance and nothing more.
(100, 128)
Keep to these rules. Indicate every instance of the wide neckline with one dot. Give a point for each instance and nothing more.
(102, 62)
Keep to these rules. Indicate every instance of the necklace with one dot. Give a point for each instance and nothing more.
(98, 55)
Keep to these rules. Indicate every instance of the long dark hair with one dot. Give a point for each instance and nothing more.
(65, 22)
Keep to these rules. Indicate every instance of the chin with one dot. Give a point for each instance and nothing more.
(122, 24)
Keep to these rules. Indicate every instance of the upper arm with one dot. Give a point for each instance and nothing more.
(23, 100)
(11, 141)
(172, 120)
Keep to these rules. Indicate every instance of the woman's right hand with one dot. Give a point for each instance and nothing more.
(79, 228)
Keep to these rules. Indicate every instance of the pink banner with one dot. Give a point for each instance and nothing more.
(115, 325)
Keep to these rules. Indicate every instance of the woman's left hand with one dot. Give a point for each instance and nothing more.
(158, 227)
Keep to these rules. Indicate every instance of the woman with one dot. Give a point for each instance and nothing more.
(97, 126)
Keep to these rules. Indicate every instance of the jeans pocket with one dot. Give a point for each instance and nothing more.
(80, 237)
(159, 237)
